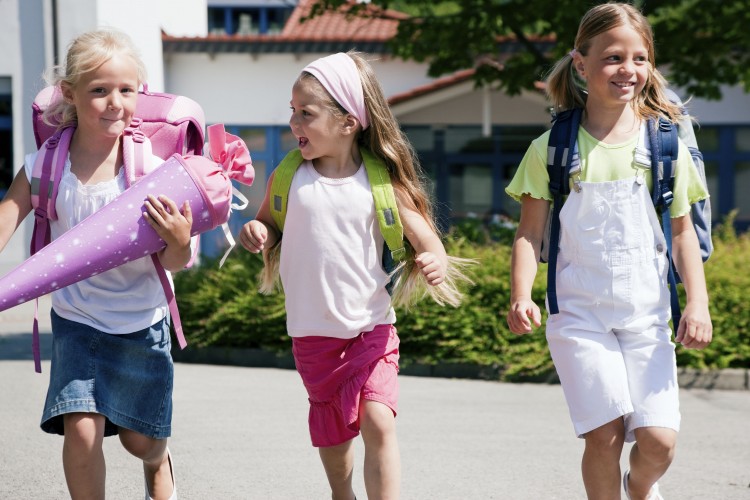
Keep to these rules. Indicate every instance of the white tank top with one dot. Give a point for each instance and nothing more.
(331, 257)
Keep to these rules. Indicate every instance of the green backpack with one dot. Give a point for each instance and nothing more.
(382, 193)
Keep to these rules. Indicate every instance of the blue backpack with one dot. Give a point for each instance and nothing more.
(563, 159)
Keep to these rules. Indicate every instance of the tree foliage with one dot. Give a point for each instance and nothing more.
(700, 44)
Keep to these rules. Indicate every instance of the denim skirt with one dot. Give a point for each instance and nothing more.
(127, 378)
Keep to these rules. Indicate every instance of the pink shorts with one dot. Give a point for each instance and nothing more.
(338, 373)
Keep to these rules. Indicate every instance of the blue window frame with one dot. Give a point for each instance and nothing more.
(726, 153)
(247, 19)
(469, 172)
(267, 145)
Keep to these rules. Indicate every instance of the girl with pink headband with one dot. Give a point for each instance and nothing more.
(339, 311)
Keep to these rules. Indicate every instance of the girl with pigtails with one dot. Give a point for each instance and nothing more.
(611, 340)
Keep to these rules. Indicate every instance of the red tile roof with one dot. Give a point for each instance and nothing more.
(340, 26)
(434, 86)
(443, 83)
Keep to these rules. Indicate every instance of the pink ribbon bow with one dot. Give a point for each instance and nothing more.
(231, 152)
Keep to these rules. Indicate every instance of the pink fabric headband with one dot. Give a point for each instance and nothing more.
(339, 75)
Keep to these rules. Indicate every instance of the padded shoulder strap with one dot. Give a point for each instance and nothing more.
(562, 151)
(45, 179)
(664, 146)
(282, 181)
(385, 205)
(136, 149)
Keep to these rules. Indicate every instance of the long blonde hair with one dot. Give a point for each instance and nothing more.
(85, 53)
(385, 139)
(567, 91)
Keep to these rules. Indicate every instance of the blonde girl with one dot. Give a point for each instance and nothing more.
(611, 341)
(339, 313)
(111, 371)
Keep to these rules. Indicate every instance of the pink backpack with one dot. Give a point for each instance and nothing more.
(164, 124)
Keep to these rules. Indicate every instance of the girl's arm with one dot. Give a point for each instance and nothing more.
(173, 226)
(262, 232)
(695, 330)
(524, 263)
(15, 207)
(431, 257)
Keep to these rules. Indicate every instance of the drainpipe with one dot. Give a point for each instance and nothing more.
(486, 112)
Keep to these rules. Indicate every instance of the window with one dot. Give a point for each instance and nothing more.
(247, 19)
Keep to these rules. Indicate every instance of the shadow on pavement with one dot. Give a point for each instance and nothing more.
(15, 346)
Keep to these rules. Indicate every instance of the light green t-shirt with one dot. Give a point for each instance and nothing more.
(601, 162)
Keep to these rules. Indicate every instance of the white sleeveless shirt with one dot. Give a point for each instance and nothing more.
(331, 257)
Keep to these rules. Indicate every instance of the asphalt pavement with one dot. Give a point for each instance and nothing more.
(241, 433)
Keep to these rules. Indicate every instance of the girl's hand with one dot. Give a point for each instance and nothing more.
(695, 330)
(171, 224)
(253, 236)
(522, 314)
(432, 267)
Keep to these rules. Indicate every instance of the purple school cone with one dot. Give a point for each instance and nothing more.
(118, 233)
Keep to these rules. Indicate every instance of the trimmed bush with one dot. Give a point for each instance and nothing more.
(221, 307)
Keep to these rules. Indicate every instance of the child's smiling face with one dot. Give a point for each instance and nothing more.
(105, 98)
(615, 67)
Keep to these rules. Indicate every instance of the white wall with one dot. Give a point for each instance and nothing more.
(244, 89)
(734, 108)
(183, 17)
(142, 20)
(10, 65)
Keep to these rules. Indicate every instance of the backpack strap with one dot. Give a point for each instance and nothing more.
(385, 205)
(136, 148)
(174, 312)
(562, 157)
(282, 181)
(382, 193)
(664, 147)
(45, 179)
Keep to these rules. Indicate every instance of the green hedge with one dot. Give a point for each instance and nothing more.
(220, 307)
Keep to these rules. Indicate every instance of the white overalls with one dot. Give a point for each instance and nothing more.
(611, 341)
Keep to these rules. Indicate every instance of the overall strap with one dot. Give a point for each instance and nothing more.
(664, 148)
(562, 157)
(385, 204)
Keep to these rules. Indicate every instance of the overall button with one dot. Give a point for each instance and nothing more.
(659, 247)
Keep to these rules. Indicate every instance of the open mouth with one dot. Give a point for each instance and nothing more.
(302, 141)
(624, 85)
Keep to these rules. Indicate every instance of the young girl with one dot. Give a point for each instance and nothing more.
(111, 370)
(339, 313)
(610, 341)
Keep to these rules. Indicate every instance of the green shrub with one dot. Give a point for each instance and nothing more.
(221, 307)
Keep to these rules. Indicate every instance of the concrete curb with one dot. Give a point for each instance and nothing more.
(736, 379)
